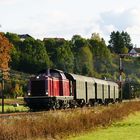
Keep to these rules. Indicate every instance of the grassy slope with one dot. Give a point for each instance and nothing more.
(128, 129)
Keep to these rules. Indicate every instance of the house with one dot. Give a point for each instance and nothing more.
(135, 52)
(23, 36)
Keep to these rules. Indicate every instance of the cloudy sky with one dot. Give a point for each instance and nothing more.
(65, 18)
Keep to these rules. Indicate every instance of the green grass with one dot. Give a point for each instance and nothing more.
(11, 108)
(9, 105)
(13, 101)
(128, 129)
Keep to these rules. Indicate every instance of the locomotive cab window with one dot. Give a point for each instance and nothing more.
(38, 87)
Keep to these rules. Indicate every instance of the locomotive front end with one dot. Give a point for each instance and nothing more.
(38, 87)
(37, 96)
(49, 90)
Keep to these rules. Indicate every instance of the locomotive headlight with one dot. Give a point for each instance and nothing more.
(29, 92)
(46, 93)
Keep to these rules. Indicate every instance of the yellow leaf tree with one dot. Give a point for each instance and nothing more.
(5, 48)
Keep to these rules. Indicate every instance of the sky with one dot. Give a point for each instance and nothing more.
(65, 18)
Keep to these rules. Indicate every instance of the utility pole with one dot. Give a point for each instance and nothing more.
(2, 89)
(120, 75)
(2, 95)
(4, 76)
(121, 56)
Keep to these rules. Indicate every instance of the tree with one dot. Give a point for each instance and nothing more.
(64, 58)
(50, 45)
(101, 53)
(16, 90)
(84, 61)
(5, 48)
(96, 36)
(118, 41)
(14, 39)
(78, 42)
(15, 51)
(34, 56)
(15, 58)
(124, 50)
(87, 61)
(127, 40)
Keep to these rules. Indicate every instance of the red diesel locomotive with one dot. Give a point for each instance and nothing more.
(49, 89)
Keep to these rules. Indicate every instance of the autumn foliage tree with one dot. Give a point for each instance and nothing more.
(5, 48)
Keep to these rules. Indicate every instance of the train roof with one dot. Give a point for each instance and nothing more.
(89, 79)
(112, 83)
(49, 70)
(100, 81)
(79, 77)
(82, 78)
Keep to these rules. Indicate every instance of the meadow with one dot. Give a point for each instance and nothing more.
(13, 105)
(128, 129)
(13, 108)
(64, 124)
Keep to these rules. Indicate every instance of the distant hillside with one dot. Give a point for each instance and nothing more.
(91, 57)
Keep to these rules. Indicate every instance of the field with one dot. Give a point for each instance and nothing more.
(63, 124)
(13, 108)
(128, 129)
(13, 105)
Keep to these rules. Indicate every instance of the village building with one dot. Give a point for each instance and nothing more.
(135, 52)
(23, 36)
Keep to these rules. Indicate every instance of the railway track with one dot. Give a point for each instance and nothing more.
(131, 100)
(18, 114)
(8, 115)
(37, 113)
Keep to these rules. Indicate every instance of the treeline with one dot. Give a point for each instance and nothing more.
(91, 57)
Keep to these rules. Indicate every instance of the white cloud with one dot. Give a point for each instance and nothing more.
(63, 18)
(8, 2)
(121, 20)
(134, 31)
(109, 28)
